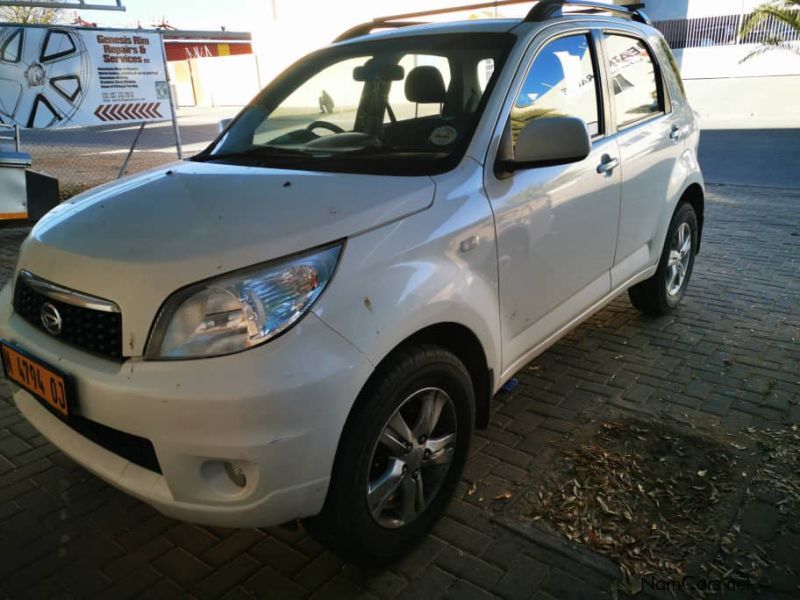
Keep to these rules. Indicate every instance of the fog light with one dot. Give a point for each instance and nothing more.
(236, 474)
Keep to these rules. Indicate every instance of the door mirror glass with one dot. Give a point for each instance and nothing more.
(551, 141)
(223, 124)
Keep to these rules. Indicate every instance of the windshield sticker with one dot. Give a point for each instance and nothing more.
(443, 136)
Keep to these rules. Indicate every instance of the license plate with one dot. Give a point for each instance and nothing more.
(42, 381)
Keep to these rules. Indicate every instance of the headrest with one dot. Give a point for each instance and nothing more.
(425, 85)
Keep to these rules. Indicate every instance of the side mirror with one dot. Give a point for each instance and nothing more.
(550, 141)
(223, 124)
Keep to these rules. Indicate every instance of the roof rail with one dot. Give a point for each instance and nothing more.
(397, 21)
(551, 9)
(370, 26)
(543, 10)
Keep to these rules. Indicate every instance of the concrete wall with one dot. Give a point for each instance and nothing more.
(726, 61)
(216, 81)
(180, 73)
(744, 103)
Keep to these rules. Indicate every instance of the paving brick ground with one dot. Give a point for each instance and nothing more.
(728, 358)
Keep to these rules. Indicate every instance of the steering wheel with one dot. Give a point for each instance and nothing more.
(324, 125)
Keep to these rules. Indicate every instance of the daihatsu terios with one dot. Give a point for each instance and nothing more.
(309, 318)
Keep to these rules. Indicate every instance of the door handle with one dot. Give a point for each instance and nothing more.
(607, 165)
(676, 135)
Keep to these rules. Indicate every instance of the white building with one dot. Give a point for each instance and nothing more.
(760, 92)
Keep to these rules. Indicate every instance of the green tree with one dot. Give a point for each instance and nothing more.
(786, 12)
(29, 15)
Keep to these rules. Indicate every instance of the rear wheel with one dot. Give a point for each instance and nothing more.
(400, 458)
(663, 292)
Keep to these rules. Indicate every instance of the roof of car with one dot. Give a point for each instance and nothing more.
(542, 11)
(475, 25)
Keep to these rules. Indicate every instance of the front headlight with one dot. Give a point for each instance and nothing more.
(240, 310)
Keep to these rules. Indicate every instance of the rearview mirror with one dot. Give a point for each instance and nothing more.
(372, 72)
(551, 141)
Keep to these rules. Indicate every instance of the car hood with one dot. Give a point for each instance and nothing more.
(137, 241)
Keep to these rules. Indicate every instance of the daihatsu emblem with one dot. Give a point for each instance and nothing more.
(51, 318)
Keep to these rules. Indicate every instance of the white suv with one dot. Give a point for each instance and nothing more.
(309, 318)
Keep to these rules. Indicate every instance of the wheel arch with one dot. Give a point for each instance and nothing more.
(462, 341)
(465, 344)
(453, 337)
(695, 196)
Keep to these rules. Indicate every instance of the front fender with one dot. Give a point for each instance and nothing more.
(438, 266)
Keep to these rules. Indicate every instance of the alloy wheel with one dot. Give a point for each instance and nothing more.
(679, 256)
(411, 458)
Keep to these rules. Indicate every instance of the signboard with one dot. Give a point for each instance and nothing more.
(55, 77)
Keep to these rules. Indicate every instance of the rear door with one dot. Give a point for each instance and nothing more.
(650, 137)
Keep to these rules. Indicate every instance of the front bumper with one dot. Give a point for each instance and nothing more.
(276, 411)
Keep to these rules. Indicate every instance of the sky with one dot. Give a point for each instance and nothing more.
(247, 15)
(184, 14)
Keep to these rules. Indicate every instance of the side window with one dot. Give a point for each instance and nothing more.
(673, 64)
(633, 77)
(561, 83)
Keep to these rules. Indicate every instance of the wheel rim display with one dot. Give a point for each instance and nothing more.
(44, 73)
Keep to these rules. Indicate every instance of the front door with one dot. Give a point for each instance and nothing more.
(556, 225)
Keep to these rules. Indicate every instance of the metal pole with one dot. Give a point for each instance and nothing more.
(175, 128)
(258, 72)
(16, 136)
(130, 152)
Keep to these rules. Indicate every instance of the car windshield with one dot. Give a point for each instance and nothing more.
(403, 106)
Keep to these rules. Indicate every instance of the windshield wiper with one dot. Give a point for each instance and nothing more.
(382, 152)
(257, 153)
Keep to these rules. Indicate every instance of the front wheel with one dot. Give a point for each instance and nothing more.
(401, 456)
(660, 294)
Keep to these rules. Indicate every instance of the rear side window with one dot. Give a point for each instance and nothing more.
(561, 83)
(633, 78)
(673, 64)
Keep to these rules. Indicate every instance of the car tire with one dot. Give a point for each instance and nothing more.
(393, 478)
(662, 293)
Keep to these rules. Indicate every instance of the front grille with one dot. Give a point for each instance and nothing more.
(92, 330)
